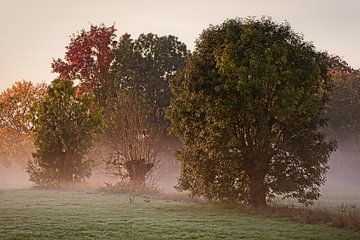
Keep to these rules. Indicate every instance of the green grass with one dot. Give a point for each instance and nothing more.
(40, 214)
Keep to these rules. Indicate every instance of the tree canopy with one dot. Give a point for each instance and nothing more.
(142, 67)
(343, 112)
(63, 127)
(15, 104)
(88, 58)
(145, 65)
(248, 107)
(343, 109)
(15, 120)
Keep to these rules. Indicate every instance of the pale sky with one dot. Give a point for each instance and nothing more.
(35, 31)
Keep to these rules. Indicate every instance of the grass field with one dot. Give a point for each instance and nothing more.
(40, 214)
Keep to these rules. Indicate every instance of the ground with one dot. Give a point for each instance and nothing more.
(45, 214)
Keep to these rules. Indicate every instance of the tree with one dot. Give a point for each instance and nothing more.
(88, 58)
(248, 107)
(146, 65)
(344, 107)
(63, 127)
(132, 139)
(15, 118)
(15, 104)
(343, 112)
(104, 66)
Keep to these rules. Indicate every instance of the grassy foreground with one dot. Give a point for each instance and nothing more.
(41, 214)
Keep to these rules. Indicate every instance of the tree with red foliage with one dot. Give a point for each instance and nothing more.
(88, 59)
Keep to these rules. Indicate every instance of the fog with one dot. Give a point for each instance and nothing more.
(344, 171)
(13, 176)
(343, 174)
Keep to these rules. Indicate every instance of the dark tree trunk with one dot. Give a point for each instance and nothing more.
(137, 170)
(66, 171)
(258, 191)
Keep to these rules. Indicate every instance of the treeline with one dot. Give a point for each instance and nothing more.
(249, 106)
(112, 91)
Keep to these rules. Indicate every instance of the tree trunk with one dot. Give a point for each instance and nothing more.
(137, 170)
(66, 171)
(257, 191)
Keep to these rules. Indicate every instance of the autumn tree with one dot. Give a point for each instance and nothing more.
(248, 108)
(88, 59)
(344, 107)
(63, 127)
(343, 112)
(146, 65)
(104, 66)
(132, 139)
(15, 119)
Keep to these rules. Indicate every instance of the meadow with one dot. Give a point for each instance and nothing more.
(50, 214)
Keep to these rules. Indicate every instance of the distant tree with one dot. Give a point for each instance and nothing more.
(343, 112)
(15, 118)
(146, 65)
(132, 139)
(248, 107)
(63, 128)
(15, 148)
(343, 109)
(88, 58)
(337, 65)
(15, 104)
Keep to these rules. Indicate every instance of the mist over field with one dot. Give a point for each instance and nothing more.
(14, 176)
(342, 176)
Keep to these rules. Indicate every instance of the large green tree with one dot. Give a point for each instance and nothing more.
(145, 65)
(248, 107)
(63, 127)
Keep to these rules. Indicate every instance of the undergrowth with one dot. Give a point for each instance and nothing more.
(347, 218)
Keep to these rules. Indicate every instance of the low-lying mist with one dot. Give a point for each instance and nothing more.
(343, 174)
(13, 176)
(344, 171)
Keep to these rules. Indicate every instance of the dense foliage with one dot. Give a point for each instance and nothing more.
(145, 65)
(15, 104)
(343, 112)
(248, 108)
(106, 69)
(344, 108)
(88, 59)
(63, 128)
(103, 65)
(15, 120)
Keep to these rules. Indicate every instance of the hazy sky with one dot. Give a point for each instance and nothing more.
(35, 31)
